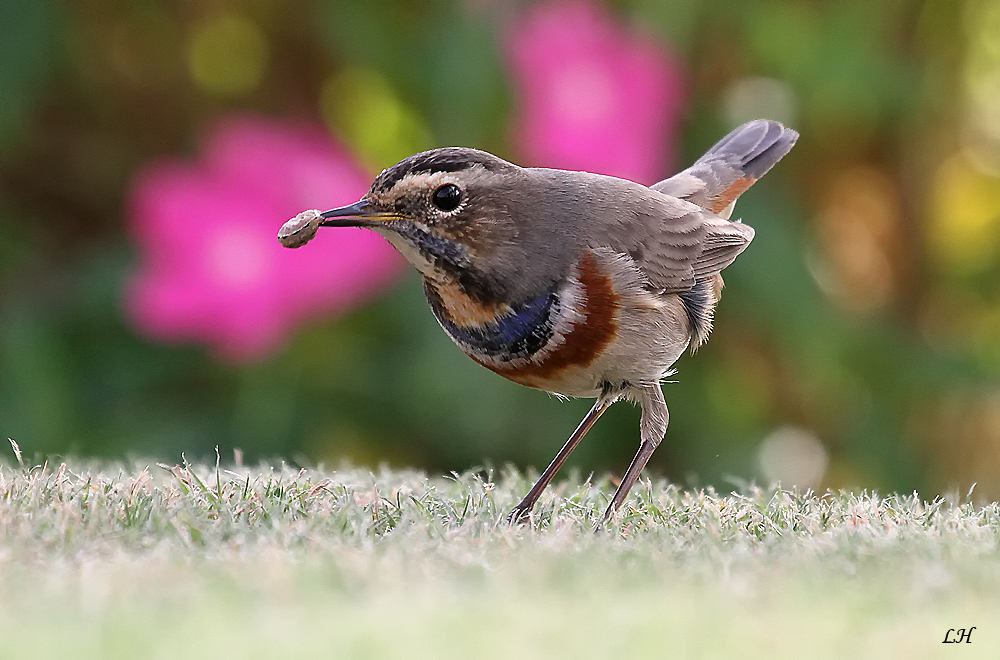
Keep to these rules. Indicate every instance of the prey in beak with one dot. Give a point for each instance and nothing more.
(302, 228)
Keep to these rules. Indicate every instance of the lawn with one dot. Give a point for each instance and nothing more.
(135, 561)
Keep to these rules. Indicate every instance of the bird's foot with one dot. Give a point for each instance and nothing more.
(519, 516)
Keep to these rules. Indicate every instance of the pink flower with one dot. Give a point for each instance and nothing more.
(211, 269)
(594, 96)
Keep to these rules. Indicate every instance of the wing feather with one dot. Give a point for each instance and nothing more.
(675, 243)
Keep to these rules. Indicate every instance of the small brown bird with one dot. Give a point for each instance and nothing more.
(574, 283)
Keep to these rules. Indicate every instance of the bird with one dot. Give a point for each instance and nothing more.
(579, 284)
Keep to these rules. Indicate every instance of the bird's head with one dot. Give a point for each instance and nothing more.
(455, 213)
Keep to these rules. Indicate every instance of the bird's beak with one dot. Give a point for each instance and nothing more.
(353, 215)
(302, 228)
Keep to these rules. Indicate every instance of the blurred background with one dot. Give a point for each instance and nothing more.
(149, 151)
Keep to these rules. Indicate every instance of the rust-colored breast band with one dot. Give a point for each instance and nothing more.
(587, 338)
(729, 195)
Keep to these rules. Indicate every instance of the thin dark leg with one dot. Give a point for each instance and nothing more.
(652, 429)
(638, 463)
(520, 512)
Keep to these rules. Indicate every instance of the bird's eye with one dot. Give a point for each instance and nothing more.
(447, 197)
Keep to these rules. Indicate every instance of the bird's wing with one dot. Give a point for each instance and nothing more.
(683, 235)
(673, 242)
(731, 166)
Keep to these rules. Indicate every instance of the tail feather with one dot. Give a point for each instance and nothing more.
(731, 166)
(714, 182)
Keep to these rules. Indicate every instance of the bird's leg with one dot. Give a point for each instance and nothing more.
(603, 402)
(652, 428)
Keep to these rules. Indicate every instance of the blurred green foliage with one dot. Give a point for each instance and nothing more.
(842, 319)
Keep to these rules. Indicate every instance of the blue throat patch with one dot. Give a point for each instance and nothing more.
(517, 335)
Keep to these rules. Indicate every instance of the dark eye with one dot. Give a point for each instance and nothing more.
(447, 197)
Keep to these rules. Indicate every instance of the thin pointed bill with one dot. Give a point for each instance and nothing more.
(302, 228)
(352, 215)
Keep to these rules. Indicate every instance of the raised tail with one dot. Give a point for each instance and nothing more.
(731, 166)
